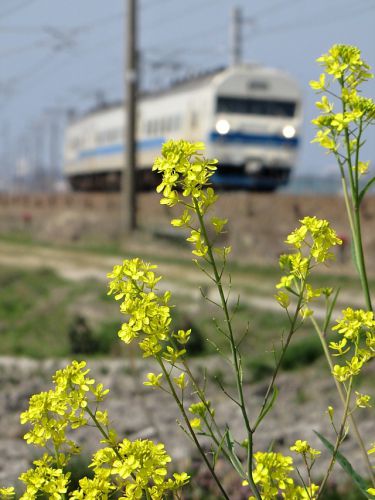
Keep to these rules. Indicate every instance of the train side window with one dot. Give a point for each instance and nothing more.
(194, 119)
(177, 122)
(111, 136)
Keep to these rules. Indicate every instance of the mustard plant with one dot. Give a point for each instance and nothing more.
(345, 115)
(138, 469)
(127, 469)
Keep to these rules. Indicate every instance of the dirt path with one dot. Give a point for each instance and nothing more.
(180, 279)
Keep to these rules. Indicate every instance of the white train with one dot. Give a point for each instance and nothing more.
(249, 116)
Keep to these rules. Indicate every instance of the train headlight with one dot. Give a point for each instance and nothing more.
(289, 131)
(222, 127)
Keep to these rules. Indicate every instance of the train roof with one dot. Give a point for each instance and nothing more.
(181, 85)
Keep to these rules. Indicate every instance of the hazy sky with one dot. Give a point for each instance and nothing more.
(63, 54)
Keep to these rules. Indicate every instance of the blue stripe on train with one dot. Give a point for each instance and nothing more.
(230, 138)
(259, 139)
(119, 148)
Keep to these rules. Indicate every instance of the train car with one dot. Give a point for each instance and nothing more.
(249, 116)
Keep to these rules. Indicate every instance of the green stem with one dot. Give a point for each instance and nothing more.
(63, 495)
(234, 351)
(191, 430)
(217, 440)
(355, 218)
(352, 208)
(339, 440)
(361, 258)
(292, 330)
(342, 396)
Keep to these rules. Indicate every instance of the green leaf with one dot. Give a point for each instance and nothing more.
(330, 310)
(218, 451)
(267, 407)
(232, 455)
(354, 257)
(365, 189)
(358, 480)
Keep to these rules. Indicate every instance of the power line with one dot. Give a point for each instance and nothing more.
(271, 8)
(25, 48)
(22, 5)
(303, 22)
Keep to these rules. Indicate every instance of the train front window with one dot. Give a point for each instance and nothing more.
(246, 106)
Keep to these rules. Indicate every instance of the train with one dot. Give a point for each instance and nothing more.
(249, 117)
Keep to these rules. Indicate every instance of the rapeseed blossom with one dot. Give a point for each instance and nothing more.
(356, 345)
(185, 180)
(148, 314)
(272, 477)
(45, 478)
(126, 468)
(343, 64)
(7, 492)
(313, 242)
(53, 412)
(132, 468)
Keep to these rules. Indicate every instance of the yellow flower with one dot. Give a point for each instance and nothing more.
(180, 381)
(196, 423)
(304, 448)
(7, 492)
(363, 400)
(153, 380)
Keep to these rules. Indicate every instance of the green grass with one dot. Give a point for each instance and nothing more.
(36, 312)
(38, 307)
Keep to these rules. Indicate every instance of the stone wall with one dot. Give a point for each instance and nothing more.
(258, 223)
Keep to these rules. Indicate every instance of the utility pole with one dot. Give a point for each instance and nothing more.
(236, 37)
(128, 178)
(53, 151)
(238, 21)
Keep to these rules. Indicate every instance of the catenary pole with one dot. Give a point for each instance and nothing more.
(128, 178)
(236, 37)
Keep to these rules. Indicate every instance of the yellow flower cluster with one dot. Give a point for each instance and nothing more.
(7, 493)
(343, 61)
(53, 412)
(125, 469)
(185, 176)
(316, 235)
(356, 344)
(305, 449)
(46, 478)
(132, 468)
(313, 242)
(183, 168)
(149, 316)
(344, 64)
(272, 477)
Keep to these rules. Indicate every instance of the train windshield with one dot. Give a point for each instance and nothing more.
(246, 106)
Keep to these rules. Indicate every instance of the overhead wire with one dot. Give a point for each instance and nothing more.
(23, 48)
(14, 9)
(299, 23)
(192, 35)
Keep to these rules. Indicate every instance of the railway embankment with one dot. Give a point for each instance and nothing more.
(258, 223)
